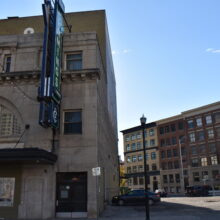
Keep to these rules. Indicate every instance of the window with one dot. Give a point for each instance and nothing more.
(163, 154)
(128, 169)
(217, 117)
(7, 63)
(73, 122)
(9, 125)
(134, 158)
(180, 125)
(151, 132)
(182, 139)
(162, 142)
(192, 137)
(212, 147)
(134, 168)
(202, 149)
(175, 153)
(145, 133)
(147, 156)
(141, 181)
(138, 135)
(133, 146)
(208, 119)
(173, 127)
(178, 189)
(214, 160)
(217, 130)
(177, 177)
(185, 172)
(210, 133)
(194, 150)
(165, 180)
(173, 140)
(133, 137)
(138, 145)
(161, 130)
(127, 138)
(140, 168)
(172, 189)
(130, 181)
(199, 122)
(169, 153)
(167, 129)
(170, 165)
(201, 135)
(128, 147)
(171, 178)
(74, 61)
(164, 166)
(205, 175)
(215, 174)
(176, 164)
(153, 155)
(154, 166)
(196, 176)
(195, 162)
(183, 151)
(128, 159)
(146, 143)
(152, 142)
(190, 124)
(167, 142)
(204, 161)
(140, 158)
(135, 180)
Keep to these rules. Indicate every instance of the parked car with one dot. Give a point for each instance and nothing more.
(198, 190)
(161, 192)
(135, 197)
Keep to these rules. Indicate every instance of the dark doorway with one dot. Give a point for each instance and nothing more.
(71, 193)
(155, 185)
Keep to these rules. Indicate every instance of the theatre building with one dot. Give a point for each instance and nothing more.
(44, 172)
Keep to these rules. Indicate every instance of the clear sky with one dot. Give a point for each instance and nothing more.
(166, 52)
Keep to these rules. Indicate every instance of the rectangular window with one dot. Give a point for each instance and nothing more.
(217, 117)
(141, 181)
(164, 166)
(196, 177)
(135, 180)
(152, 142)
(210, 133)
(194, 150)
(215, 174)
(153, 155)
(128, 169)
(151, 132)
(128, 148)
(208, 119)
(167, 129)
(140, 158)
(169, 153)
(173, 127)
(180, 125)
(171, 178)
(147, 156)
(190, 124)
(73, 122)
(205, 175)
(133, 137)
(177, 177)
(212, 147)
(128, 159)
(204, 161)
(202, 149)
(170, 165)
(176, 164)
(138, 135)
(74, 61)
(134, 158)
(167, 142)
(140, 168)
(127, 138)
(162, 142)
(161, 130)
(165, 180)
(199, 122)
(192, 137)
(214, 160)
(183, 151)
(217, 131)
(7, 63)
(195, 162)
(201, 136)
(173, 140)
(154, 166)
(163, 154)
(133, 146)
(138, 145)
(134, 168)
(175, 152)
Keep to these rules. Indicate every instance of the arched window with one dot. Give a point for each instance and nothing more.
(9, 125)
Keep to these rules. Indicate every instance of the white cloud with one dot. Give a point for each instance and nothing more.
(212, 50)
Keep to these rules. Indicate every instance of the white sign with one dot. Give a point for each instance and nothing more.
(96, 171)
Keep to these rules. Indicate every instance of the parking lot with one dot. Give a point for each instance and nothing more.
(186, 208)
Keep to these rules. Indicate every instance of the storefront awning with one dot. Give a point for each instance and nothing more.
(27, 156)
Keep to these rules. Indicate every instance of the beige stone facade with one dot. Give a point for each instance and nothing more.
(89, 90)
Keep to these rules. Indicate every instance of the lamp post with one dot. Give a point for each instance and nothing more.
(181, 165)
(143, 123)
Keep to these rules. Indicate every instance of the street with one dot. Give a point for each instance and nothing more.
(187, 208)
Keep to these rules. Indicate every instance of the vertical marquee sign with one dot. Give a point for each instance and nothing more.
(50, 85)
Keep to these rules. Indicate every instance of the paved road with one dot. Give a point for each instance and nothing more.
(182, 208)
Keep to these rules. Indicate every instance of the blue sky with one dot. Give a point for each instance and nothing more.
(166, 52)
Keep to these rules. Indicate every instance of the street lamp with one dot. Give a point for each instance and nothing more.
(143, 123)
(181, 164)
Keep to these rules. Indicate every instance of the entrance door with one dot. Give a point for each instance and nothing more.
(71, 195)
